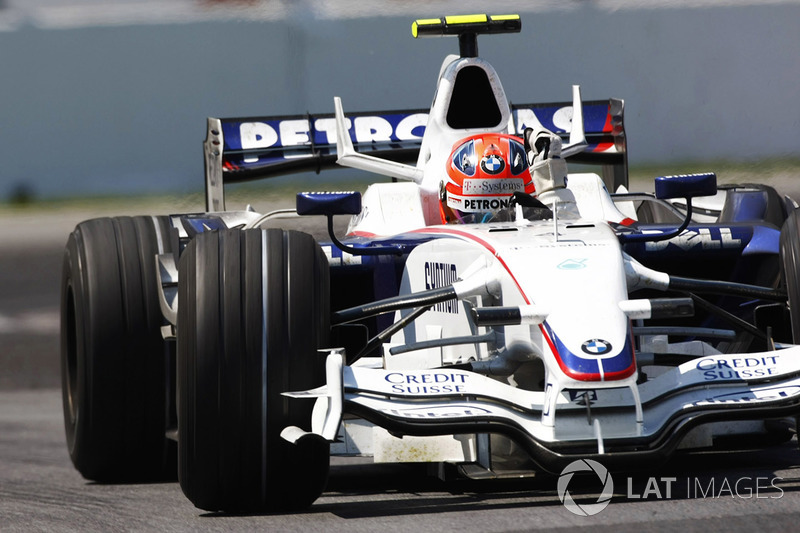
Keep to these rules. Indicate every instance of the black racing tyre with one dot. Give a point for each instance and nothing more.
(253, 311)
(115, 365)
(790, 256)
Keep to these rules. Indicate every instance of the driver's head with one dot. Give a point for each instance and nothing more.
(483, 171)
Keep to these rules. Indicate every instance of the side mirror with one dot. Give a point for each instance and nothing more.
(686, 186)
(340, 203)
(328, 203)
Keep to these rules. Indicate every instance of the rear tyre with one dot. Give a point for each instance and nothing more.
(253, 311)
(790, 256)
(115, 365)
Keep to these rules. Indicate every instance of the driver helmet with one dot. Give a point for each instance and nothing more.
(483, 172)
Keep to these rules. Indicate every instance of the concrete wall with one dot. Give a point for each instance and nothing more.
(122, 109)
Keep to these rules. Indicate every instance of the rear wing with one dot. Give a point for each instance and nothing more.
(244, 149)
(604, 128)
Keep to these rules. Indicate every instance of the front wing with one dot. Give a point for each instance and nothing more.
(599, 423)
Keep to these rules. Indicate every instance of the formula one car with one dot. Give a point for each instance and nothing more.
(486, 311)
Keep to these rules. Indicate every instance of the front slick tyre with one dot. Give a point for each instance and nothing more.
(790, 262)
(253, 311)
(115, 365)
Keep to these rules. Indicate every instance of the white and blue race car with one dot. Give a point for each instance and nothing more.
(486, 309)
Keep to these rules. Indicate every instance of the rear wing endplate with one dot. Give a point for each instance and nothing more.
(244, 149)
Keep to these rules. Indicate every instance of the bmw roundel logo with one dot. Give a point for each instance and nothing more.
(596, 346)
(493, 164)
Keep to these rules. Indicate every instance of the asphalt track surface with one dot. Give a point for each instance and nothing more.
(748, 489)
